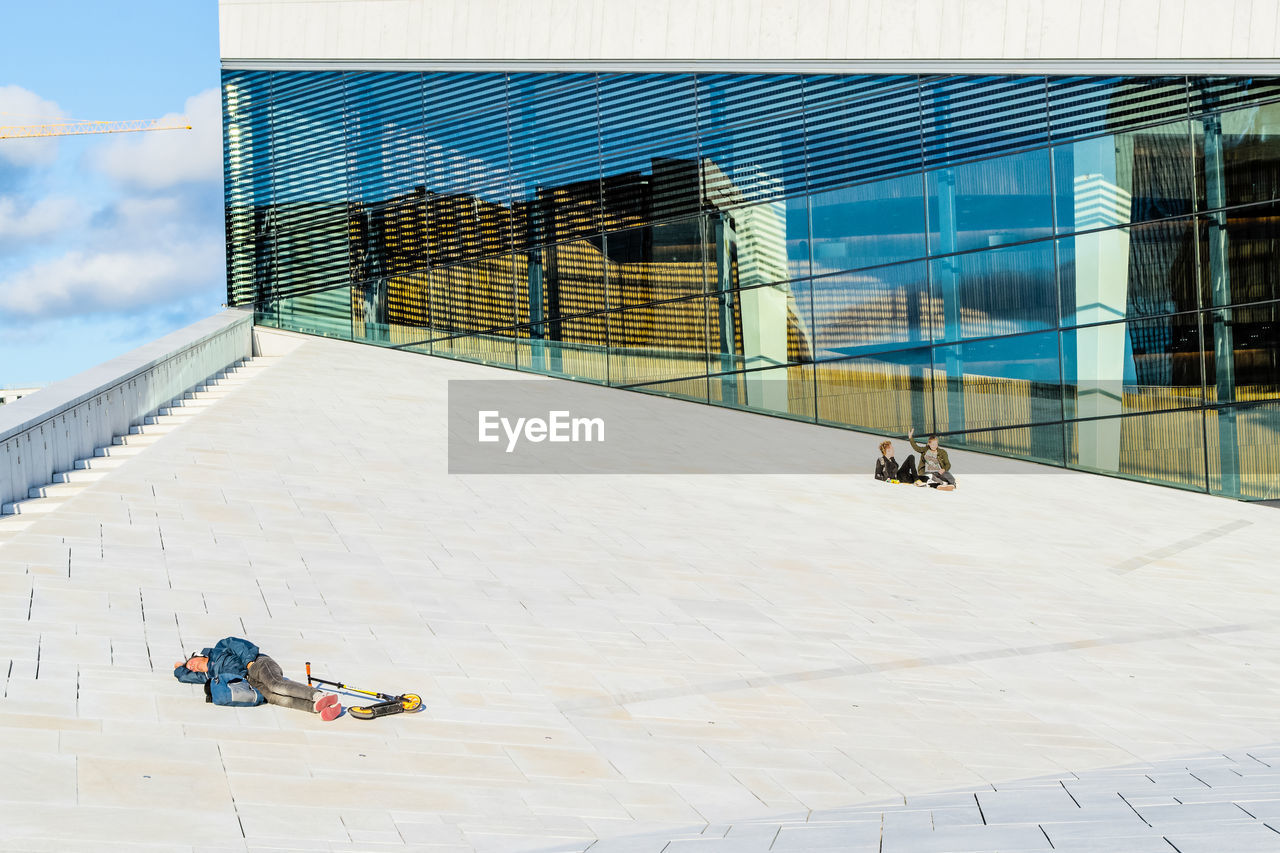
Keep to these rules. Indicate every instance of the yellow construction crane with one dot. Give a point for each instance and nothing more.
(77, 127)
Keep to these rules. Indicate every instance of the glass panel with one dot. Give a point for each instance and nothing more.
(1243, 364)
(650, 264)
(559, 281)
(1243, 462)
(694, 388)
(756, 245)
(1163, 448)
(868, 225)
(758, 327)
(649, 148)
(998, 382)
(969, 117)
(750, 137)
(1209, 93)
(868, 311)
(577, 348)
(785, 391)
(555, 156)
(474, 296)
(1128, 272)
(408, 313)
(1041, 443)
(888, 393)
(657, 342)
(991, 203)
(326, 313)
(247, 185)
(859, 127)
(1129, 177)
(1144, 365)
(1240, 156)
(1249, 239)
(495, 348)
(1000, 292)
(468, 175)
(1088, 106)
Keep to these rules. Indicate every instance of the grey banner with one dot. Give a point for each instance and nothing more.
(536, 426)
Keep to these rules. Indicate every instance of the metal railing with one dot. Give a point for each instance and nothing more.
(45, 433)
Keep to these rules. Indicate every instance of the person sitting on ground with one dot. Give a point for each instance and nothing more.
(888, 469)
(935, 467)
(235, 672)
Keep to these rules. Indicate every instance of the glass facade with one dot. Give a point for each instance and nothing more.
(1081, 271)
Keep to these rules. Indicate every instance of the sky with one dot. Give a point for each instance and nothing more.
(106, 241)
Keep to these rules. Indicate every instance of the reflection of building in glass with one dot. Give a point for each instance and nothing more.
(1081, 271)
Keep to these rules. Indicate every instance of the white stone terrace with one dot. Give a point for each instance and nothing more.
(627, 663)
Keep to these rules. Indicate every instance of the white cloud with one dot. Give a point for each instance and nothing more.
(112, 282)
(19, 107)
(161, 159)
(46, 217)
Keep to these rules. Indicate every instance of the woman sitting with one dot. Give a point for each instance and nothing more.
(888, 469)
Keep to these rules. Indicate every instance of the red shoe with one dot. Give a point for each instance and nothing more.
(324, 701)
(332, 712)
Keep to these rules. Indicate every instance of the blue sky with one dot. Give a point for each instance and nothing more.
(106, 241)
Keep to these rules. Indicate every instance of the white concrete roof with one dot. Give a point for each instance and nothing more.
(1019, 34)
(724, 663)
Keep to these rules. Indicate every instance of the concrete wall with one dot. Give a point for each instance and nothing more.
(834, 30)
(45, 433)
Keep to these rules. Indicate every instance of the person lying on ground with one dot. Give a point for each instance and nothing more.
(888, 469)
(935, 467)
(235, 672)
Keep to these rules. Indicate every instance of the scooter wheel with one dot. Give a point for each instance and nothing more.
(411, 701)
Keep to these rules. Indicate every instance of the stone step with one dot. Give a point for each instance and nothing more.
(29, 506)
(98, 463)
(79, 476)
(157, 429)
(117, 450)
(135, 440)
(56, 490)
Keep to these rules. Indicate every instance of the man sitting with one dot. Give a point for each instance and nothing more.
(935, 464)
(233, 663)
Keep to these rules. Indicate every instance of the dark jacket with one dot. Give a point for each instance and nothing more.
(942, 456)
(229, 659)
(886, 468)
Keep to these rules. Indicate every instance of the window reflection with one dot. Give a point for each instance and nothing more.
(1128, 272)
(998, 382)
(758, 327)
(868, 225)
(989, 203)
(574, 348)
(1117, 180)
(657, 342)
(1241, 450)
(1242, 360)
(785, 391)
(1039, 443)
(654, 263)
(999, 292)
(1165, 448)
(1239, 159)
(887, 393)
(1119, 368)
(868, 311)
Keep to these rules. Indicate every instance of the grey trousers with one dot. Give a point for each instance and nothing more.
(268, 678)
(946, 477)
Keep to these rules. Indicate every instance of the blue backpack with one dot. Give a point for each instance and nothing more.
(235, 692)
